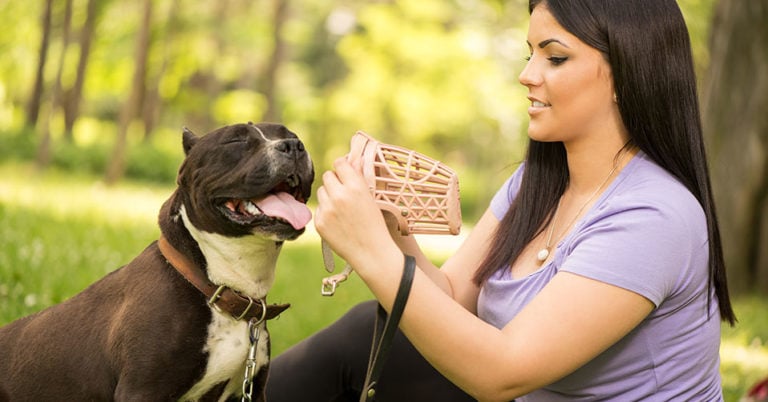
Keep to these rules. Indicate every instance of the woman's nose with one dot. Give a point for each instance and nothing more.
(529, 76)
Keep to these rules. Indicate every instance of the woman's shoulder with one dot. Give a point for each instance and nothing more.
(644, 182)
(647, 188)
(644, 234)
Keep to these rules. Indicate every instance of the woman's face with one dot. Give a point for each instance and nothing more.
(569, 83)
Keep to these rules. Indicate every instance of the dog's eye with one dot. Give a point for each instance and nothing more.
(235, 141)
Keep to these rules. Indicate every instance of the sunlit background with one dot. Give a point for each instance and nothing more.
(90, 133)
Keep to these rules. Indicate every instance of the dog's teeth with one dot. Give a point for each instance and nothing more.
(252, 209)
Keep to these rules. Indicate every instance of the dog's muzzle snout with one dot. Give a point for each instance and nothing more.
(292, 148)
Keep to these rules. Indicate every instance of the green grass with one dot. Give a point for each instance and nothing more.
(744, 348)
(61, 232)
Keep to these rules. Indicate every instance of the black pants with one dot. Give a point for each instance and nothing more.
(330, 366)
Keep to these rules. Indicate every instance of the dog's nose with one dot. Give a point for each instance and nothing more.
(291, 147)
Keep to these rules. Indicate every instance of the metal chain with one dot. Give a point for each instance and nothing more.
(250, 362)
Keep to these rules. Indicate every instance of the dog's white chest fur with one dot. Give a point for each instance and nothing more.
(246, 264)
(227, 348)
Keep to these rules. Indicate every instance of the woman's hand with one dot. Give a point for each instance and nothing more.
(347, 216)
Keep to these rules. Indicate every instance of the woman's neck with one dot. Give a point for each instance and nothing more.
(588, 165)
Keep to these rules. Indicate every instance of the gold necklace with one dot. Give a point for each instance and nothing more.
(543, 254)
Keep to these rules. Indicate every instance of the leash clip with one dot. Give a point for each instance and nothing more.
(328, 289)
(250, 362)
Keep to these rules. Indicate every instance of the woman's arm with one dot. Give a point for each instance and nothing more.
(571, 321)
(455, 275)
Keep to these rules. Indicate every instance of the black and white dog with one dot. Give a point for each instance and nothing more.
(173, 324)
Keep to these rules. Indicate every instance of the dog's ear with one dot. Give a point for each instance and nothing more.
(188, 140)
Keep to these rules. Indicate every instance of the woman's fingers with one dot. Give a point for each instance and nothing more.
(347, 216)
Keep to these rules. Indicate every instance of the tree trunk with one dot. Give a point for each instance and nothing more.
(280, 16)
(153, 102)
(75, 94)
(735, 101)
(33, 106)
(132, 106)
(205, 83)
(44, 148)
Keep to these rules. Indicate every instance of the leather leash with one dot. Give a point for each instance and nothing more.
(240, 307)
(383, 335)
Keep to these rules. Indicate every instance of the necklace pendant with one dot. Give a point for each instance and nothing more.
(542, 255)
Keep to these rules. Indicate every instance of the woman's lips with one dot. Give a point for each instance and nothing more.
(537, 106)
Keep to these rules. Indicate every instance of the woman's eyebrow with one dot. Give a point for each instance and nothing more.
(546, 42)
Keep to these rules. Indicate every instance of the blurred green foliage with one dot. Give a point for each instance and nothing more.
(439, 76)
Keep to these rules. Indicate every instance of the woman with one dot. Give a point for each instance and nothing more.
(597, 271)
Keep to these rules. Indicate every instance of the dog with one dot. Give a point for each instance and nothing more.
(186, 319)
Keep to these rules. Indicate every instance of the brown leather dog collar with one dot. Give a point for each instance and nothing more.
(238, 306)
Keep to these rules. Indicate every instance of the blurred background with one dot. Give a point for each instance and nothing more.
(94, 95)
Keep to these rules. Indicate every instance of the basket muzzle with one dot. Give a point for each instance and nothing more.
(420, 192)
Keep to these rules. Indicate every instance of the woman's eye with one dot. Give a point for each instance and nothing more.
(556, 61)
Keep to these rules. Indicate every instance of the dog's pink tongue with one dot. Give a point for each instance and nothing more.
(283, 205)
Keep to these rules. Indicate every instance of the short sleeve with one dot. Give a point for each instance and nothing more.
(644, 247)
(503, 199)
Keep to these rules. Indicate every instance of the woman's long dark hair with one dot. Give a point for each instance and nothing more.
(647, 46)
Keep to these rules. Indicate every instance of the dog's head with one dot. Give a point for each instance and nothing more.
(247, 179)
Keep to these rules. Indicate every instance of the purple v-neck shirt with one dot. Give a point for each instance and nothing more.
(646, 233)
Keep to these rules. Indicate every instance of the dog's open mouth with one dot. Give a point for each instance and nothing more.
(283, 203)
